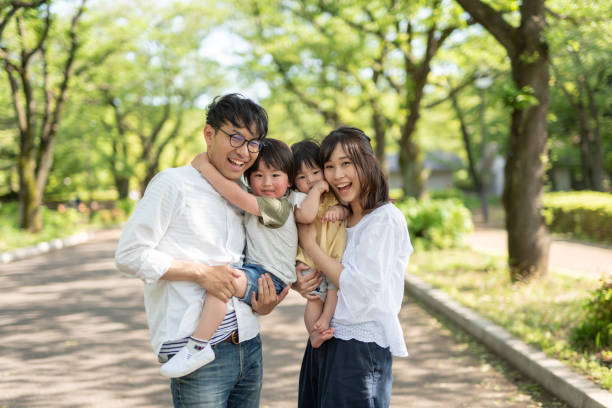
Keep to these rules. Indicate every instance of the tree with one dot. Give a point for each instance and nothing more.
(373, 58)
(527, 49)
(580, 38)
(39, 85)
(145, 111)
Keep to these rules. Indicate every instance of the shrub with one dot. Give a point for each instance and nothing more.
(446, 194)
(582, 215)
(436, 223)
(595, 331)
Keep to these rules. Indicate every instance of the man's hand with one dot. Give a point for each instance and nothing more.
(219, 280)
(266, 299)
(306, 284)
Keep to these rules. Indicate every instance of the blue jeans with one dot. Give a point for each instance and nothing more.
(232, 379)
(345, 374)
(252, 273)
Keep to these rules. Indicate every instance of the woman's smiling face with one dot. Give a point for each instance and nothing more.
(341, 174)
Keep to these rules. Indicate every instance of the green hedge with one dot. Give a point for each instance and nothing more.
(436, 223)
(580, 214)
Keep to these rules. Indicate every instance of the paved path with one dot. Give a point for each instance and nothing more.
(74, 335)
(565, 256)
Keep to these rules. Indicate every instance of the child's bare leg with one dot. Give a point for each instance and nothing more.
(214, 310)
(329, 307)
(319, 337)
(198, 351)
(313, 310)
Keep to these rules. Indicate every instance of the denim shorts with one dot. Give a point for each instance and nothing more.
(253, 272)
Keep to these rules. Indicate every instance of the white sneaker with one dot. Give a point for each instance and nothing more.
(187, 360)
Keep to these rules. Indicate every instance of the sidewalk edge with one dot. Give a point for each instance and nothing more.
(43, 247)
(574, 389)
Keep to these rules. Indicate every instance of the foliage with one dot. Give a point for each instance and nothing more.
(595, 330)
(55, 225)
(582, 215)
(542, 313)
(59, 223)
(580, 124)
(436, 223)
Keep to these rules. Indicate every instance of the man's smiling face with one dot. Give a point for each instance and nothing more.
(230, 161)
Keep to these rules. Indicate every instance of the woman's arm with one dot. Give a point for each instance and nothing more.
(227, 188)
(325, 263)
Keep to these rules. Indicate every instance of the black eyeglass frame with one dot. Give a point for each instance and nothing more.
(237, 140)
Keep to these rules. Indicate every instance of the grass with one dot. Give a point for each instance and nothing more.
(541, 313)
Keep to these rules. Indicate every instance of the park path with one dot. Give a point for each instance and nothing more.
(567, 257)
(74, 335)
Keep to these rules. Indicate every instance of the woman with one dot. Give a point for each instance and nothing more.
(352, 368)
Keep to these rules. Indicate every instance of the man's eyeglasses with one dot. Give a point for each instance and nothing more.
(237, 140)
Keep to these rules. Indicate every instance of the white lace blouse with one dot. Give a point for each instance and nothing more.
(372, 282)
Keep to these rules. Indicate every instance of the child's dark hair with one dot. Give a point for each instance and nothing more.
(275, 154)
(240, 112)
(375, 189)
(305, 152)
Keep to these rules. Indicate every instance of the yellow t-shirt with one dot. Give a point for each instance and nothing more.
(331, 236)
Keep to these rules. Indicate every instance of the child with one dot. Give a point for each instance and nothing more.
(331, 236)
(271, 240)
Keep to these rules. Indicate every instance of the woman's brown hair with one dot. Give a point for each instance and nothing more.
(356, 144)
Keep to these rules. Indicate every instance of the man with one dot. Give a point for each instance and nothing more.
(181, 241)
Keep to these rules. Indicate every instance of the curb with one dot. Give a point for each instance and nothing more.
(574, 389)
(41, 248)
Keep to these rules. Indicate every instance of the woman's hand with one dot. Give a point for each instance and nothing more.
(306, 284)
(335, 213)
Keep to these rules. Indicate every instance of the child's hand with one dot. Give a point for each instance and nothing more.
(200, 161)
(335, 213)
(321, 186)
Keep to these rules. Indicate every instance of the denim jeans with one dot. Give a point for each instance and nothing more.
(232, 379)
(345, 374)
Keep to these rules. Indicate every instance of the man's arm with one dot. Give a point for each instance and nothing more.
(137, 254)
(227, 188)
(219, 280)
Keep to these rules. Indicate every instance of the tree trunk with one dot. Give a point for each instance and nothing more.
(378, 123)
(413, 179)
(122, 184)
(528, 241)
(30, 216)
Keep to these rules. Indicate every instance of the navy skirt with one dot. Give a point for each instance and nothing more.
(345, 373)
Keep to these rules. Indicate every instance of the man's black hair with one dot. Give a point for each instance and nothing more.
(305, 152)
(239, 111)
(275, 154)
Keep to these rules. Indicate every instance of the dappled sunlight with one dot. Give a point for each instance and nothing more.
(75, 333)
